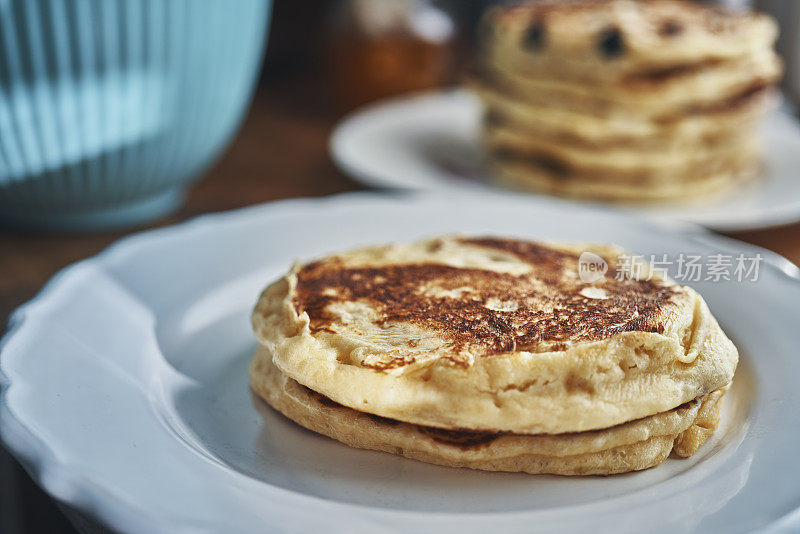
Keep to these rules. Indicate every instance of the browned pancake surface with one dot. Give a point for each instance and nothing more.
(495, 312)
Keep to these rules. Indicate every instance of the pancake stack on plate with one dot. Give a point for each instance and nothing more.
(494, 354)
(625, 100)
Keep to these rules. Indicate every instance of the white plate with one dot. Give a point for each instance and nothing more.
(430, 142)
(125, 389)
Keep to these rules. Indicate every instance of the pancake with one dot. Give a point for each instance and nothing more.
(631, 446)
(597, 40)
(623, 100)
(622, 163)
(666, 139)
(661, 96)
(738, 113)
(526, 176)
(493, 335)
(619, 179)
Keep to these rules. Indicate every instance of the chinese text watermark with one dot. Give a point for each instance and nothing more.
(683, 268)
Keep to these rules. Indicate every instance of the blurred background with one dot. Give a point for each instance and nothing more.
(323, 58)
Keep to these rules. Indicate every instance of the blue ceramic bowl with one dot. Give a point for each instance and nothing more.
(109, 108)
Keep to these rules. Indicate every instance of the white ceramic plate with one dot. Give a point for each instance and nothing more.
(125, 390)
(430, 142)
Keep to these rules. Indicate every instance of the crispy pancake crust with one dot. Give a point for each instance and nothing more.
(631, 446)
(492, 335)
(422, 294)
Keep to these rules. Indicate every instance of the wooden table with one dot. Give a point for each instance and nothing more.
(281, 152)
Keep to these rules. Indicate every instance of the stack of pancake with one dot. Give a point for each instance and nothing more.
(493, 354)
(625, 100)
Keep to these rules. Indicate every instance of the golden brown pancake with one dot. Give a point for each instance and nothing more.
(492, 335)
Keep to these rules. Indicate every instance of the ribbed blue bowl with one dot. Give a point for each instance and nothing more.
(109, 108)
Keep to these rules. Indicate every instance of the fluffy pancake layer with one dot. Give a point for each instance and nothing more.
(492, 335)
(631, 446)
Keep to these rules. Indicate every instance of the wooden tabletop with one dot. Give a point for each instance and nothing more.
(281, 152)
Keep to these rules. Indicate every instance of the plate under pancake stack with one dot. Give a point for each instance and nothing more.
(625, 101)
